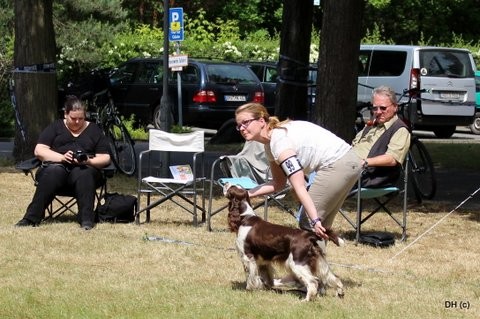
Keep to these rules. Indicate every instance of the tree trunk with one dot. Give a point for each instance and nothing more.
(34, 74)
(336, 96)
(291, 100)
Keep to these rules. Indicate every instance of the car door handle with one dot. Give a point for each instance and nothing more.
(153, 89)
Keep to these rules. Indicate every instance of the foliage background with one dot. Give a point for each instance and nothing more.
(101, 34)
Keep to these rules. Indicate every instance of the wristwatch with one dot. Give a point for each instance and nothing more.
(314, 222)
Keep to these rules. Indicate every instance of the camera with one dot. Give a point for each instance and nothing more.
(80, 156)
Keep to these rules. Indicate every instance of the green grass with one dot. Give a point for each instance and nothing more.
(455, 156)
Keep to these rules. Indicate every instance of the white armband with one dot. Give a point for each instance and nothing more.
(291, 165)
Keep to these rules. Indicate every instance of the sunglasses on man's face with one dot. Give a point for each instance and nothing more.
(382, 108)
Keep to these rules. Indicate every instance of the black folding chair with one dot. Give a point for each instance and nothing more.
(64, 200)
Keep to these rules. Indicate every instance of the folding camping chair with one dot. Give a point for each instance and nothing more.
(64, 201)
(380, 197)
(163, 171)
(249, 168)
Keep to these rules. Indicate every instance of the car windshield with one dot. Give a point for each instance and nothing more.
(230, 74)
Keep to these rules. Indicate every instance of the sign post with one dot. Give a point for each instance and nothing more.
(177, 62)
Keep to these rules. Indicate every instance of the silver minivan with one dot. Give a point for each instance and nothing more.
(447, 75)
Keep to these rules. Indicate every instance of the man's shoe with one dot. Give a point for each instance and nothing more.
(25, 223)
(87, 225)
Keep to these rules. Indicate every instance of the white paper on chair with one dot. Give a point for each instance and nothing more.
(182, 172)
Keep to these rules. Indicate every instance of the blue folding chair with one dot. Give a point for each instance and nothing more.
(381, 197)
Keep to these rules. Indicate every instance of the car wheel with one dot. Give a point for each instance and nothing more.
(475, 126)
(444, 131)
(159, 121)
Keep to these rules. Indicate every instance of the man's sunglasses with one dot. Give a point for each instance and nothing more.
(382, 108)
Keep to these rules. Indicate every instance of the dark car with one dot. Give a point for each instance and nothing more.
(211, 90)
(267, 72)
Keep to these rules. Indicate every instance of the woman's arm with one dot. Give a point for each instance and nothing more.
(277, 183)
(298, 182)
(99, 161)
(45, 153)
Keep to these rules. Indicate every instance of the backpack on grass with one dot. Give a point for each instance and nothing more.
(377, 239)
(116, 208)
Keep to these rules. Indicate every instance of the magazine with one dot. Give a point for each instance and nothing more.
(182, 172)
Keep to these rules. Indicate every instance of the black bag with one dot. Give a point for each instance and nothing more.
(116, 208)
(377, 239)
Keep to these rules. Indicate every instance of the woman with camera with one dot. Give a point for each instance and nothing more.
(72, 151)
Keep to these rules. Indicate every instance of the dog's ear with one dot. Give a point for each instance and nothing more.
(234, 219)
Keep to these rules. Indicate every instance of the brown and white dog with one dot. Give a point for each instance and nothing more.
(261, 244)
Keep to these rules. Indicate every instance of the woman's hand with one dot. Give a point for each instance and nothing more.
(68, 157)
(319, 230)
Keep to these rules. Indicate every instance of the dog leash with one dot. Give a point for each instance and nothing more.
(146, 237)
(359, 267)
(434, 225)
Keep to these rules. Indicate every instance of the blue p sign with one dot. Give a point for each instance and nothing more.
(175, 22)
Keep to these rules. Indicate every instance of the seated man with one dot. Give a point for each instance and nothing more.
(72, 151)
(384, 143)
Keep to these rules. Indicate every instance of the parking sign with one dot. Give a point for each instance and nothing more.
(175, 23)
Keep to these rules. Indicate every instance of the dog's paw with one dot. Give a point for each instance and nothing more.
(288, 283)
(340, 293)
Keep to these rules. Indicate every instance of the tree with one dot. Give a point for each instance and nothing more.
(291, 101)
(34, 75)
(82, 29)
(338, 66)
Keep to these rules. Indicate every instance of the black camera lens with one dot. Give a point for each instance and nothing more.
(81, 156)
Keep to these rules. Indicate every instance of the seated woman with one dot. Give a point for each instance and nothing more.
(72, 151)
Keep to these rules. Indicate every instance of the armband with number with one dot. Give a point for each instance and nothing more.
(291, 165)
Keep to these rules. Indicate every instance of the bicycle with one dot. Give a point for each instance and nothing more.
(106, 115)
(421, 167)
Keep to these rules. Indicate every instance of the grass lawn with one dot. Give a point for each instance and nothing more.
(59, 271)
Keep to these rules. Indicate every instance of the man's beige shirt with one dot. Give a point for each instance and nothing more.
(398, 146)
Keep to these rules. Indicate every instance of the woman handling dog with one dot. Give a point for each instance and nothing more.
(295, 149)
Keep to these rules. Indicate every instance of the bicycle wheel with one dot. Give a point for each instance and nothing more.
(121, 147)
(422, 173)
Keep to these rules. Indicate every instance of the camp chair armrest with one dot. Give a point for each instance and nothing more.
(28, 165)
(109, 170)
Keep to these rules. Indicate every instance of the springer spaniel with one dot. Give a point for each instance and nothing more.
(260, 244)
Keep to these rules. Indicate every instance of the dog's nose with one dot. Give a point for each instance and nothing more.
(226, 186)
